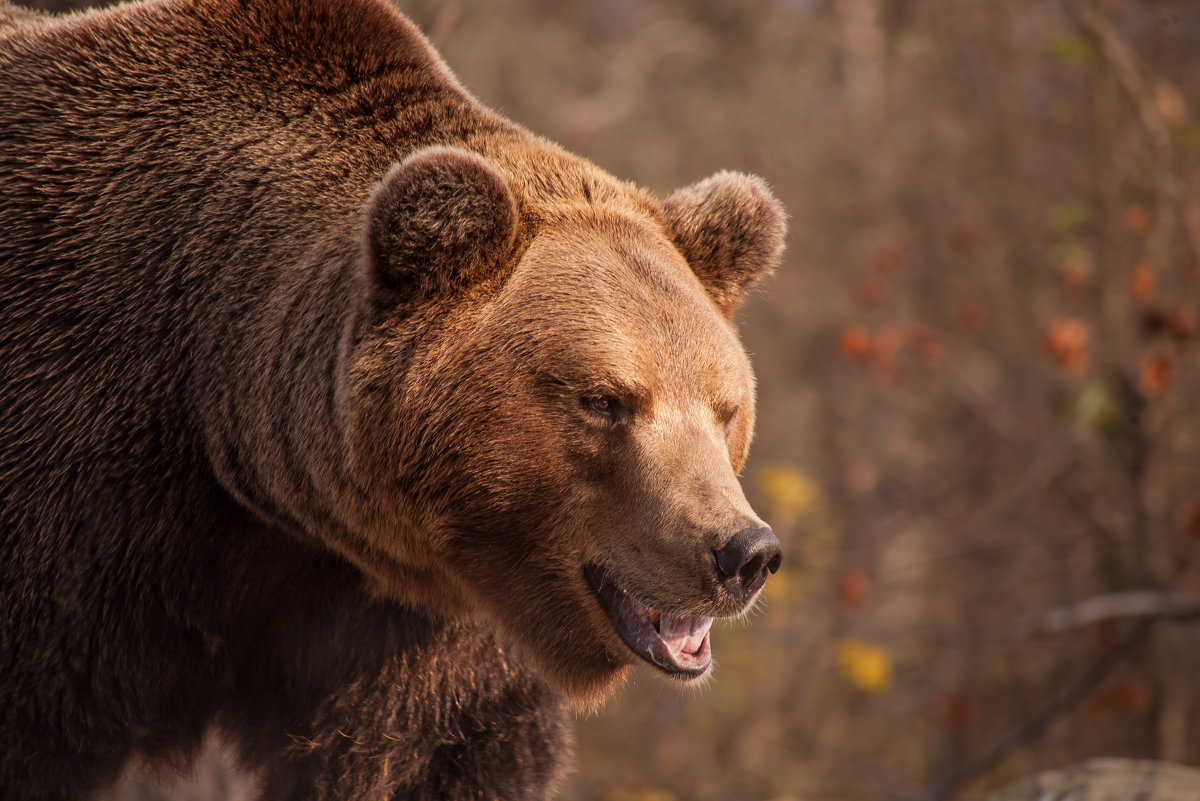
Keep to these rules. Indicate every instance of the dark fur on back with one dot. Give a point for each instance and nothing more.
(152, 160)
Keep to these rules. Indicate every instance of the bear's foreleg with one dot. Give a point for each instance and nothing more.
(345, 696)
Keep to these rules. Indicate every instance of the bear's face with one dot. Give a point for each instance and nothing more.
(571, 438)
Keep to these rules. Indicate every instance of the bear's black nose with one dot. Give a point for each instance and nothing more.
(743, 564)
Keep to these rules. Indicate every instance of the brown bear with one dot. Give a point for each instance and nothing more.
(341, 416)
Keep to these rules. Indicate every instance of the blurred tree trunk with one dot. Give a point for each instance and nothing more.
(863, 45)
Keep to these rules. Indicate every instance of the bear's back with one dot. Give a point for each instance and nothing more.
(156, 161)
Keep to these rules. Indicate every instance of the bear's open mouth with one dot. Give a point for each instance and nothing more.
(675, 644)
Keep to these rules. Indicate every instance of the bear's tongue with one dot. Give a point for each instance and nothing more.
(684, 635)
(675, 644)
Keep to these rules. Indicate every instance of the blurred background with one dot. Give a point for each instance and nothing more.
(978, 427)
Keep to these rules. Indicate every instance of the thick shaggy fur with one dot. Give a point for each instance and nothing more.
(293, 340)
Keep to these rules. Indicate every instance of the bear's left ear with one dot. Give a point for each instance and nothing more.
(730, 228)
(437, 221)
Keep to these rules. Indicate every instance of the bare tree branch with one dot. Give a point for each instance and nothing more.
(1116, 606)
(1035, 726)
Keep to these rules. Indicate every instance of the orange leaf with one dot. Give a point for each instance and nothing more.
(971, 317)
(856, 343)
(1183, 324)
(1143, 280)
(852, 588)
(1066, 344)
(1137, 219)
(1155, 373)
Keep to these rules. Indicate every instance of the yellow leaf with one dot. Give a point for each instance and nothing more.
(790, 492)
(865, 665)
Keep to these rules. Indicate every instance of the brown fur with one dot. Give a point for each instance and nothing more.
(297, 343)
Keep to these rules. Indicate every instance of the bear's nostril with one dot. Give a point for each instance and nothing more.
(744, 562)
(752, 572)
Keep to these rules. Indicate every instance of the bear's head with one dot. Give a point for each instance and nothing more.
(555, 405)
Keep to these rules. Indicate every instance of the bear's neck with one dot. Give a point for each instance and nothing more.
(269, 383)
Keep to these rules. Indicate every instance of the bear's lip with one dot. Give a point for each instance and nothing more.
(677, 645)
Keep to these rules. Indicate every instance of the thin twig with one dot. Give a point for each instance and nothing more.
(1131, 77)
(1036, 725)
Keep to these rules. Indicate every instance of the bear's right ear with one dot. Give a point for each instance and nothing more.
(730, 228)
(437, 221)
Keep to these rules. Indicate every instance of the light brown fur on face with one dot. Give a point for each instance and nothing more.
(600, 301)
(341, 413)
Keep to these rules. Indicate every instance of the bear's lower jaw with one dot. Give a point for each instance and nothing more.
(678, 645)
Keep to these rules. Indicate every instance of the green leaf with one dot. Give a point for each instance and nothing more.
(1070, 216)
(1072, 49)
(1095, 408)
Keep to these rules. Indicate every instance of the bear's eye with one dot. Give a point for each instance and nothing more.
(606, 406)
(726, 414)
